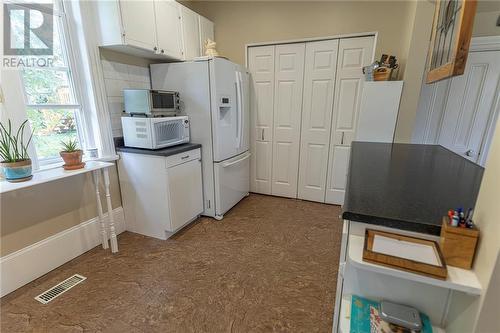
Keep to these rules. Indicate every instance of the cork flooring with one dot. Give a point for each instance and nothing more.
(269, 266)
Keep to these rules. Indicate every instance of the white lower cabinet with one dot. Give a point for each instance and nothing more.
(160, 195)
(305, 102)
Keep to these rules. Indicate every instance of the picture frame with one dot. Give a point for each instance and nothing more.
(414, 255)
(450, 40)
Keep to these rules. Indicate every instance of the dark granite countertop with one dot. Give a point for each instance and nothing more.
(119, 146)
(408, 186)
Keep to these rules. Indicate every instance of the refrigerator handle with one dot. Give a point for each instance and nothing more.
(239, 97)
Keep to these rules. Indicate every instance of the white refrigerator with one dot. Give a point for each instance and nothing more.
(214, 93)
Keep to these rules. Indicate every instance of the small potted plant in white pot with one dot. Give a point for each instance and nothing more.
(71, 155)
(15, 161)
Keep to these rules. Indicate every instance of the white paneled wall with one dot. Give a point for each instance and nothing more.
(118, 76)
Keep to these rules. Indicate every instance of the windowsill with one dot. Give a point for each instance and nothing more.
(50, 166)
(52, 174)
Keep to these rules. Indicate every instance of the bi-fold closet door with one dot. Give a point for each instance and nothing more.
(354, 54)
(297, 112)
(276, 105)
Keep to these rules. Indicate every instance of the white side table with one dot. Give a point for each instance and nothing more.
(97, 168)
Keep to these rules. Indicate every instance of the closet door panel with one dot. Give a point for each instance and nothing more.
(339, 168)
(319, 83)
(289, 75)
(262, 157)
(354, 54)
(261, 66)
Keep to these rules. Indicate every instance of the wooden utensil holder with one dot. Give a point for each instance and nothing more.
(458, 245)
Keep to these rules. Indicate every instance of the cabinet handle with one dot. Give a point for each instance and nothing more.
(262, 135)
(342, 140)
(162, 51)
(155, 48)
(184, 157)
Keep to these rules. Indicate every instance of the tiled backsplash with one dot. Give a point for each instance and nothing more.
(118, 76)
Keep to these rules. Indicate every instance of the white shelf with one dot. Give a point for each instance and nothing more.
(49, 175)
(458, 279)
(345, 317)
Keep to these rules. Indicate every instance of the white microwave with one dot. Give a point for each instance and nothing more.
(155, 133)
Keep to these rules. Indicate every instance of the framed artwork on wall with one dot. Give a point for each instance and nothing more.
(451, 35)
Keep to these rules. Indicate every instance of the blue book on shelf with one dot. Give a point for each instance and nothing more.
(362, 310)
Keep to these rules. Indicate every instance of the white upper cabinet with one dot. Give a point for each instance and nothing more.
(190, 33)
(206, 32)
(151, 28)
(168, 28)
(141, 33)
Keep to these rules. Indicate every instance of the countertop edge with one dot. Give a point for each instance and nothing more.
(169, 151)
(393, 223)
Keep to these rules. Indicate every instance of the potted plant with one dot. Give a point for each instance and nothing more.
(15, 161)
(71, 155)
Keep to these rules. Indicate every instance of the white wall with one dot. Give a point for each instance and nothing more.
(474, 314)
(119, 76)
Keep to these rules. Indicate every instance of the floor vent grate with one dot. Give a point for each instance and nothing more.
(60, 288)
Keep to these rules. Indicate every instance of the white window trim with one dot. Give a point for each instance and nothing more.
(84, 36)
(83, 40)
(75, 83)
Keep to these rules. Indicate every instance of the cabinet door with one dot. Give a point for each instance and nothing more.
(319, 83)
(168, 28)
(185, 193)
(261, 66)
(138, 20)
(190, 33)
(206, 32)
(289, 75)
(354, 53)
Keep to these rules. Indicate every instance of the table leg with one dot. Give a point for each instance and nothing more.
(100, 215)
(114, 242)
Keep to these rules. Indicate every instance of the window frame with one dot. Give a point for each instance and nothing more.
(60, 19)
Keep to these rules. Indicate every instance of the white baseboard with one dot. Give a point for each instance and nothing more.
(31, 262)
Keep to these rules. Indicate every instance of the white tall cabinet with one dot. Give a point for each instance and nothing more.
(305, 101)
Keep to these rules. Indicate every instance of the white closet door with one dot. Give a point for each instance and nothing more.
(470, 106)
(289, 75)
(261, 66)
(354, 53)
(319, 83)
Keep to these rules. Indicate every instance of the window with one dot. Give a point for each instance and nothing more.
(52, 102)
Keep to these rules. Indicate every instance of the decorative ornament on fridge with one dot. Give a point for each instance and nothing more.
(210, 48)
